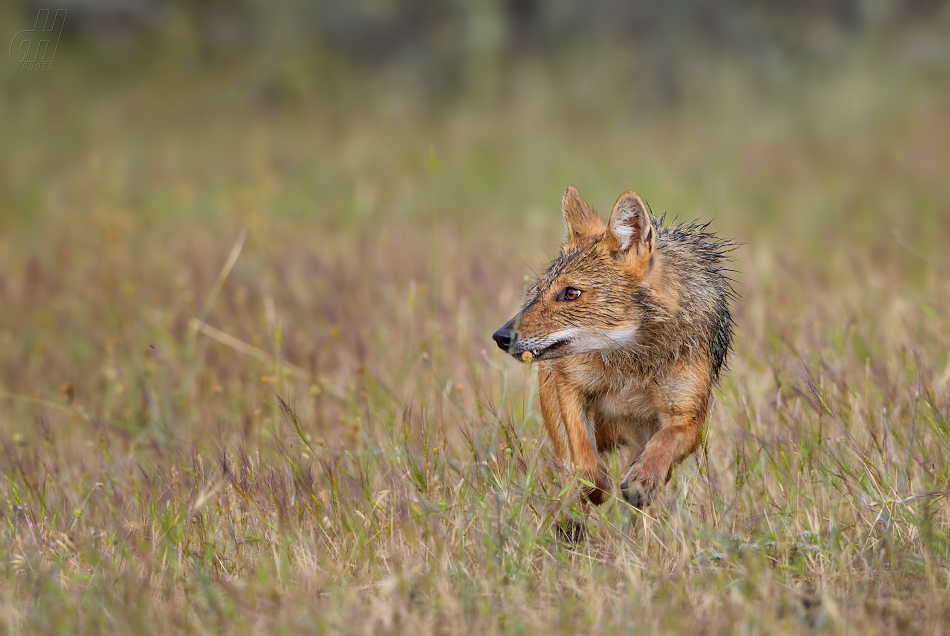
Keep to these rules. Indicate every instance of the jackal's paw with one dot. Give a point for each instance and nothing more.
(639, 488)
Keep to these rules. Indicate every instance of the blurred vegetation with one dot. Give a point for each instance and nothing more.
(205, 207)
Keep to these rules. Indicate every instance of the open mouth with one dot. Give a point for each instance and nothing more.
(541, 353)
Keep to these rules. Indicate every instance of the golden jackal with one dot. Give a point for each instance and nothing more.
(631, 327)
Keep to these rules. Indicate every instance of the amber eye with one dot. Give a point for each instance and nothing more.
(569, 294)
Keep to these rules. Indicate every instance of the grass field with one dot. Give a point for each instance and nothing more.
(178, 253)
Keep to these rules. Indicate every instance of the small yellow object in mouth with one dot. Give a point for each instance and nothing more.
(527, 356)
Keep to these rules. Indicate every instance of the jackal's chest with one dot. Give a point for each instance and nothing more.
(620, 405)
(612, 393)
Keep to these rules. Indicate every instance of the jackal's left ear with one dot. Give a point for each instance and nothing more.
(630, 227)
(580, 219)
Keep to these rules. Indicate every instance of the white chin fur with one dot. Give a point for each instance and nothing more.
(610, 339)
(585, 340)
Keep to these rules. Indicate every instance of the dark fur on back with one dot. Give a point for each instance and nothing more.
(706, 255)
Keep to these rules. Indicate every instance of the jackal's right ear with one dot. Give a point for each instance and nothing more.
(631, 229)
(580, 219)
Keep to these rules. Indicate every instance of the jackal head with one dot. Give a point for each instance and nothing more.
(596, 295)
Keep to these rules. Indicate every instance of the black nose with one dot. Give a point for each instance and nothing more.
(503, 338)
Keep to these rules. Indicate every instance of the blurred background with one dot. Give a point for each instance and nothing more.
(206, 205)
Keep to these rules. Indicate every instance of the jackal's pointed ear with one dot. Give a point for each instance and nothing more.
(630, 227)
(580, 219)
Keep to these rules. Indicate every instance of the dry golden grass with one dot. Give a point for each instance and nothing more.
(175, 258)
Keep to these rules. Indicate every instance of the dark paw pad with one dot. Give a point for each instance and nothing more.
(596, 495)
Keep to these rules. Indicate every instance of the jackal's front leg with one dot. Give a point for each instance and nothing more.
(681, 398)
(551, 412)
(566, 420)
